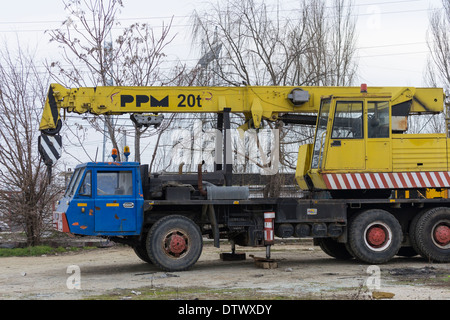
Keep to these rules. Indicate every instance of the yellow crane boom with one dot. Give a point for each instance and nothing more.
(257, 103)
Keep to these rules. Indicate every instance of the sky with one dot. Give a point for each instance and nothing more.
(391, 35)
(392, 48)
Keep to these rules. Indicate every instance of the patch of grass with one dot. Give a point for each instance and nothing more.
(36, 251)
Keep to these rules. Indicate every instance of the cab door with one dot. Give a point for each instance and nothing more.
(115, 202)
(378, 144)
(345, 147)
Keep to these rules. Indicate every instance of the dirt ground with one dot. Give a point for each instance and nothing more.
(303, 272)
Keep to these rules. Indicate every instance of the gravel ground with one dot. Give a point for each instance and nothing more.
(303, 272)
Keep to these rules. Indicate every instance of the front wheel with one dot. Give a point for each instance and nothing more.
(141, 250)
(174, 243)
(375, 236)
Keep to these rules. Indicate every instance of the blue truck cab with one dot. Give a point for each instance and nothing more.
(102, 199)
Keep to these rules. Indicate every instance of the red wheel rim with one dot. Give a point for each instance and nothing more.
(441, 235)
(176, 244)
(376, 236)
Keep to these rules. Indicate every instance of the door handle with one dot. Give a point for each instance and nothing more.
(128, 205)
(336, 143)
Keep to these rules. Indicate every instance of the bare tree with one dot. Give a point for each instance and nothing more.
(133, 58)
(313, 45)
(255, 46)
(439, 46)
(140, 53)
(437, 73)
(24, 193)
(83, 37)
(329, 44)
(343, 43)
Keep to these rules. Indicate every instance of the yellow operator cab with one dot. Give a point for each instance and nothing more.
(361, 143)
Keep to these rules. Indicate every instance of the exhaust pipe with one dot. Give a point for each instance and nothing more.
(200, 179)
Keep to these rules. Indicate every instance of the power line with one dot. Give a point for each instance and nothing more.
(392, 45)
(188, 16)
(188, 25)
(393, 54)
(357, 48)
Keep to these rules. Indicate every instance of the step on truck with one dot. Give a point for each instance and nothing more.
(371, 190)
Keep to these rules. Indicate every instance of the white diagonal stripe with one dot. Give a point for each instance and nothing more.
(360, 181)
(55, 144)
(380, 182)
(341, 181)
(444, 179)
(388, 180)
(397, 180)
(48, 151)
(369, 180)
(350, 180)
(425, 179)
(331, 180)
(408, 183)
(435, 180)
(416, 179)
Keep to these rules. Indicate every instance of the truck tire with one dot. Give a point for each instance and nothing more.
(174, 243)
(142, 254)
(375, 236)
(334, 249)
(141, 250)
(432, 234)
(413, 231)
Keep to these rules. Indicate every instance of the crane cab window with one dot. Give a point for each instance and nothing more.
(378, 119)
(321, 131)
(348, 120)
(114, 183)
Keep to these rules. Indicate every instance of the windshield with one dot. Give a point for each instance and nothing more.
(74, 181)
(321, 131)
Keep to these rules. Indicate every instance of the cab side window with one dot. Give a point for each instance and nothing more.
(378, 119)
(348, 120)
(114, 183)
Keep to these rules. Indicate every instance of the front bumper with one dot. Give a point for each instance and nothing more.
(60, 222)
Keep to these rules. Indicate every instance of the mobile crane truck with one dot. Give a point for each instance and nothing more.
(371, 190)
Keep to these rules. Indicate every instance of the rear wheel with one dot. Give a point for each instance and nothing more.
(174, 243)
(334, 249)
(375, 236)
(432, 234)
(413, 231)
